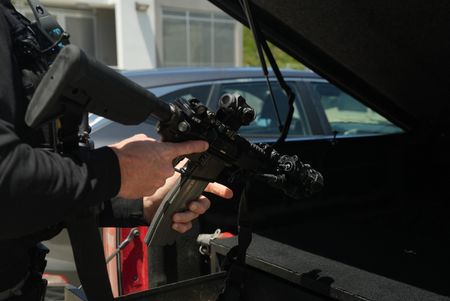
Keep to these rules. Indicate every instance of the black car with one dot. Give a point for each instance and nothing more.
(321, 109)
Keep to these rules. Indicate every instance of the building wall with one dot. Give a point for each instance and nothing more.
(136, 48)
(128, 34)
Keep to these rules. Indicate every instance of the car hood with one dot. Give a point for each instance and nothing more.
(391, 55)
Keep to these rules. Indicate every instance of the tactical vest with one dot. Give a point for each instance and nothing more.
(26, 48)
(32, 65)
(34, 54)
(35, 49)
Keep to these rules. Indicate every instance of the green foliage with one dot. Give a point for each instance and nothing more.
(251, 54)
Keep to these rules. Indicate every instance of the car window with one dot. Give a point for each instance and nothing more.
(347, 116)
(266, 124)
(200, 92)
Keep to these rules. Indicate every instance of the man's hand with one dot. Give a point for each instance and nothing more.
(145, 163)
(182, 221)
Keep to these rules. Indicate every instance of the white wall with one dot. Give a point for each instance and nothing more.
(136, 48)
(138, 33)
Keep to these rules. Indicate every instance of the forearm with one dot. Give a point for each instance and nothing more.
(43, 188)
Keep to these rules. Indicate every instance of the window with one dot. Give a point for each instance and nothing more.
(347, 116)
(266, 123)
(197, 39)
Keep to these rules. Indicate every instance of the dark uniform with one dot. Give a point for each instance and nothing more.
(39, 189)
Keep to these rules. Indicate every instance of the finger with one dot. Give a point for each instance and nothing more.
(186, 148)
(219, 190)
(200, 205)
(182, 228)
(184, 217)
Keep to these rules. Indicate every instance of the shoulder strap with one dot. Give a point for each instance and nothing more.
(89, 257)
(234, 289)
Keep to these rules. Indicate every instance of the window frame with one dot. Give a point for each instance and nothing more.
(185, 15)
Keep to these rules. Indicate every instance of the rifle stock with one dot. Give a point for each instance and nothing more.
(78, 82)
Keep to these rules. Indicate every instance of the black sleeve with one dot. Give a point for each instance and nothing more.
(40, 188)
(123, 213)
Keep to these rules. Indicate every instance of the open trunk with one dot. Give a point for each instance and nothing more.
(385, 206)
(384, 209)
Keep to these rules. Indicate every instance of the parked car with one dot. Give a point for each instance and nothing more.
(321, 112)
(321, 109)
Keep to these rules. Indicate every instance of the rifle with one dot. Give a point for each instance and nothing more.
(76, 83)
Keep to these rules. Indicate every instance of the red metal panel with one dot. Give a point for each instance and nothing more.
(134, 263)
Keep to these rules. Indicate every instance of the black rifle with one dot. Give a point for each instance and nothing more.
(76, 83)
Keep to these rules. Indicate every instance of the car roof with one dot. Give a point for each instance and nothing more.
(391, 55)
(173, 76)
